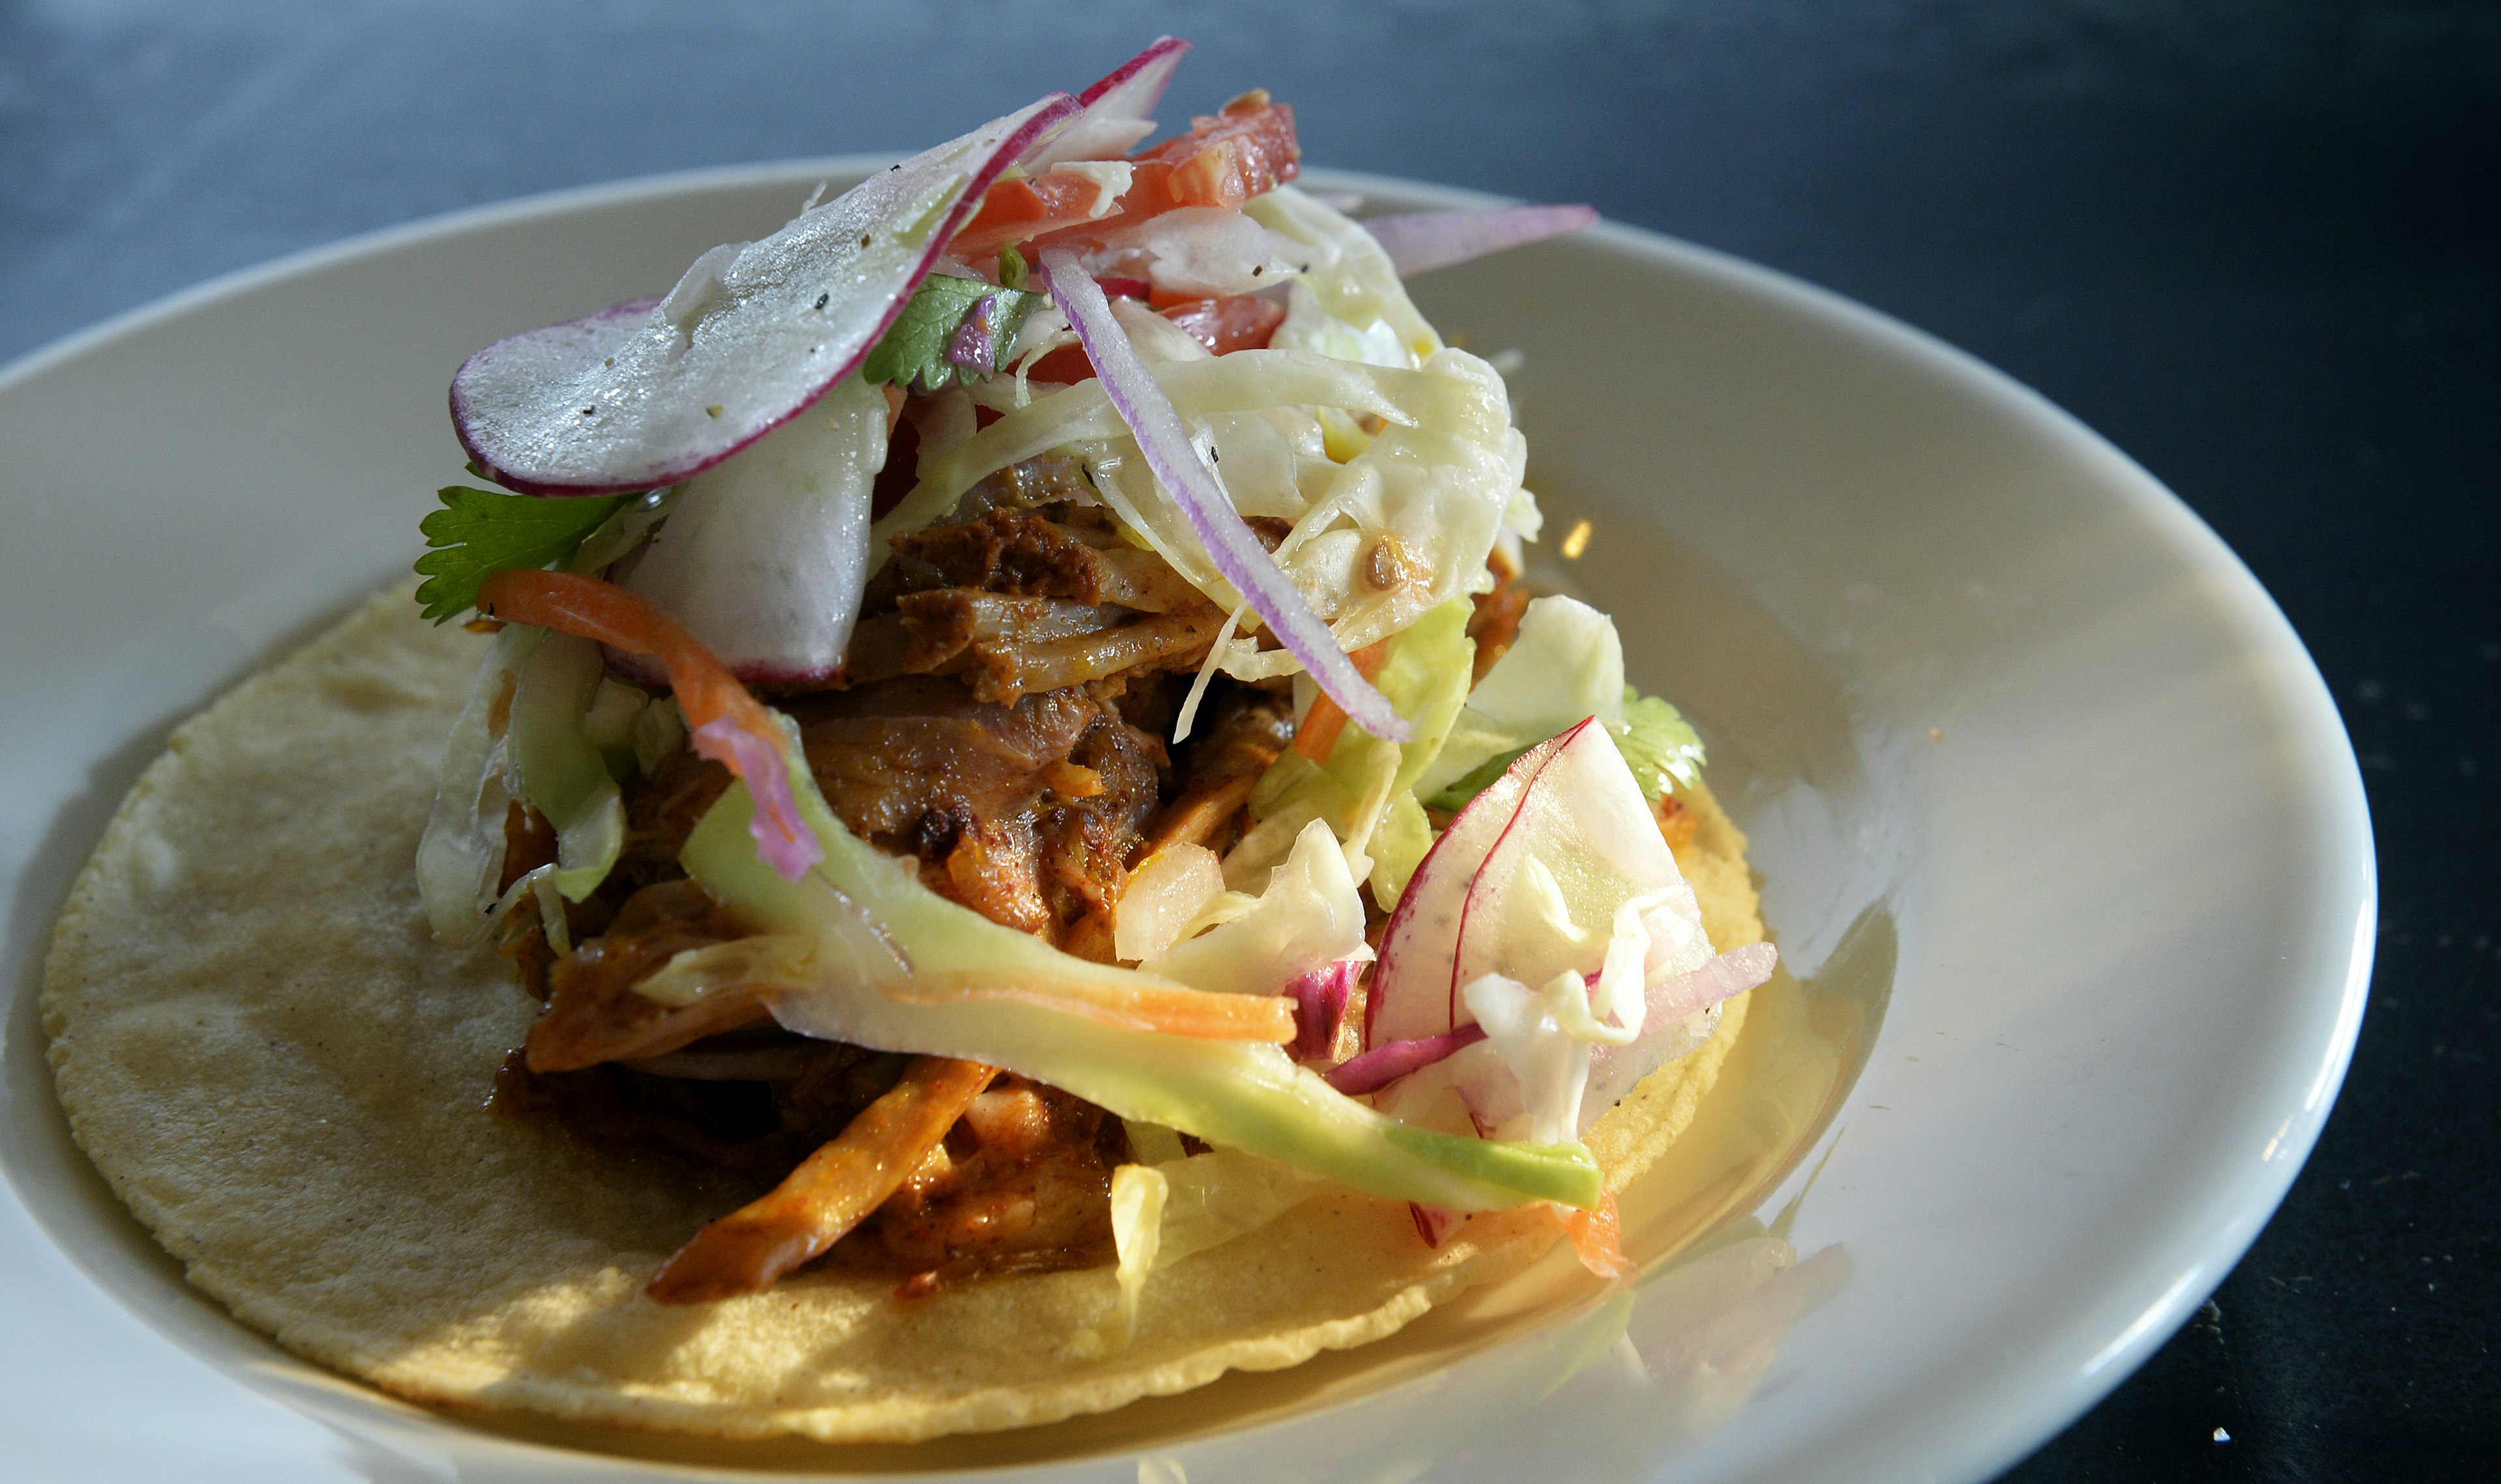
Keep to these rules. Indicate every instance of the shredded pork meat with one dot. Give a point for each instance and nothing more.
(1000, 720)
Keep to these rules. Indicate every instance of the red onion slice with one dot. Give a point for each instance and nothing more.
(1116, 111)
(1614, 1071)
(1384, 1065)
(1177, 463)
(1420, 241)
(1435, 1223)
(1416, 990)
(636, 397)
(1319, 1006)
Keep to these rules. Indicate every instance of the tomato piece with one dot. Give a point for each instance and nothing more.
(1222, 161)
(1068, 365)
(1225, 161)
(1027, 207)
(1234, 323)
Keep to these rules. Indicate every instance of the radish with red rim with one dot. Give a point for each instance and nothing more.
(647, 394)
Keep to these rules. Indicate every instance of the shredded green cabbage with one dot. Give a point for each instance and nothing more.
(562, 772)
(1358, 789)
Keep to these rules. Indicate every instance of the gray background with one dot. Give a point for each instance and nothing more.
(2254, 244)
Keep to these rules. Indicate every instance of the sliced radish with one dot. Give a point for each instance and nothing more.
(1526, 883)
(647, 394)
(1414, 990)
(763, 556)
(1116, 113)
(1582, 842)
(1420, 241)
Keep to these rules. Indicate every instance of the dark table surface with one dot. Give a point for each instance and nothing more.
(2256, 242)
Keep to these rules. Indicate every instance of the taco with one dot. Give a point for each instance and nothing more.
(1009, 838)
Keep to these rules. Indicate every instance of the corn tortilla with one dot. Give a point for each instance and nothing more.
(283, 1075)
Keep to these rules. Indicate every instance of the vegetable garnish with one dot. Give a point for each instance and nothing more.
(481, 532)
(834, 1190)
(1196, 1013)
(1420, 241)
(730, 726)
(1183, 471)
(1597, 1239)
(652, 392)
(1385, 1063)
(1317, 731)
(953, 330)
(1117, 111)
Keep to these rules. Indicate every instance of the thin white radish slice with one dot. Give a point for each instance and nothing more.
(653, 392)
(763, 557)
(1420, 241)
(1582, 843)
(1116, 113)
(1182, 470)
(1414, 990)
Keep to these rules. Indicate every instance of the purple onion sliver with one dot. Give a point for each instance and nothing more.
(1140, 399)
(1384, 1065)
(1319, 1006)
(1420, 241)
(1435, 1223)
(1725, 978)
(975, 348)
(781, 836)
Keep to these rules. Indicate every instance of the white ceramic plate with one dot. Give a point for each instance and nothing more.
(2056, 826)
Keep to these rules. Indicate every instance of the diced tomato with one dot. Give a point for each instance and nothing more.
(1225, 161)
(1222, 161)
(1234, 323)
(1025, 208)
(1069, 364)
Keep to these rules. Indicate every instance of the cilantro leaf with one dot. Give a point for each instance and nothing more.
(916, 350)
(1657, 744)
(479, 532)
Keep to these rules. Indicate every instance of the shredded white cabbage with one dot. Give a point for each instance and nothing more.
(460, 860)
(1437, 480)
(1137, 1226)
(1165, 893)
(1308, 916)
(1567, 663)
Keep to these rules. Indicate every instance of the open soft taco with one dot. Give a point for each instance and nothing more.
(1016, 842)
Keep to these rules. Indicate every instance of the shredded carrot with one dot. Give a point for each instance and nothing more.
(1198, 1014)
(835, 1189)
(1326, 718)
(1597, 1236)
(590, 609)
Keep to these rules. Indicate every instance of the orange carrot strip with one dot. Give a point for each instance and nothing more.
(834, 1190)
(706, 692)
(1326, 718)
(1198, 1014)
(1597, 1238)
(590, 609)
